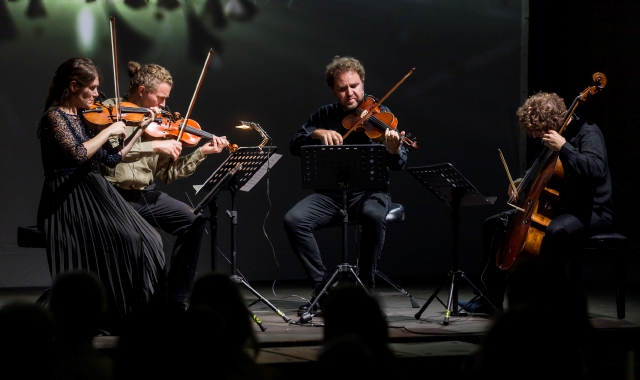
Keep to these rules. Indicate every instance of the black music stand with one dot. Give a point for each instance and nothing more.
(338, 167)
(240, 171)
(448, 185)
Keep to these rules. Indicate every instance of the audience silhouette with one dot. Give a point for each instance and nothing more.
(238, 344)
(78, 302)
(213, 337)
(545, 330)
(356, 336)
(26, 341)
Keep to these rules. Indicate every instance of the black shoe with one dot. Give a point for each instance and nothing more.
(476, 306)
(305, 308)
(316, 308)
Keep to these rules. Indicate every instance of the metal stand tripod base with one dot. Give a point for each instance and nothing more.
(452, 304)
(414, 303)
(343, 270)
(240, 280)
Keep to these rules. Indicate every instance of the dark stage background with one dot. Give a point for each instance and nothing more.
(475, 62)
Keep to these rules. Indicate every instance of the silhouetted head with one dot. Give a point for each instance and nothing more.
(78, 303)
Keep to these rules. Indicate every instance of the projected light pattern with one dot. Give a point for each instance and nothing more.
(86, 30)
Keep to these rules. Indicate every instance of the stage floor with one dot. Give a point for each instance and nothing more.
(426, 341)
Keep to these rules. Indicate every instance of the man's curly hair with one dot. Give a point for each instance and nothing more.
(341, 65)
(541, 112)
(149, 76)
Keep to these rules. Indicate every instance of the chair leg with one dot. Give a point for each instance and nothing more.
(414, 303)
(621, 282)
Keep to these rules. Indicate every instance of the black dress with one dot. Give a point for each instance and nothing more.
(89, 226)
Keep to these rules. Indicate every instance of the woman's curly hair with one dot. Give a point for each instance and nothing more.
(341, 65)
(149, 76)
(541, 112)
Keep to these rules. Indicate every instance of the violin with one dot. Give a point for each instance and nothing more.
(371, 119)
(163, 128)
(543, 185)
(99, 116)
(375, 122)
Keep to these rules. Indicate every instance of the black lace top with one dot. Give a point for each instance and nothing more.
(61, 144)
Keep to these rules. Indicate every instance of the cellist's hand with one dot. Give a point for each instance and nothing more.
(392, 139)
(510, 191)
(553, 140)
(328, 136)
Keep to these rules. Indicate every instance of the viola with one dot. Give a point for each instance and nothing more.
(539, 193)
(164, 128)
(370, 118)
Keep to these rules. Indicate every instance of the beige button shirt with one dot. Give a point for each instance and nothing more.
(141, 165)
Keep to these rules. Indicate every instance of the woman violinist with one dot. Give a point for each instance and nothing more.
(87, 224)
(584, 207)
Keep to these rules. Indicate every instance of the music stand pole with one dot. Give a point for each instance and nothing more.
(233, 218)
(245, 162)
(451, 187)
(327, 167)
(213, 226)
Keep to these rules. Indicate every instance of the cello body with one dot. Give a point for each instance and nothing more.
(539, 204)
(540, 193)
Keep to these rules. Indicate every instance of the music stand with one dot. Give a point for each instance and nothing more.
(240, 171)
(338, 167)
(448, 185)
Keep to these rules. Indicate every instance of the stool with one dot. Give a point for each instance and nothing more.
(32, 237)
(607, 245)
(396, 215)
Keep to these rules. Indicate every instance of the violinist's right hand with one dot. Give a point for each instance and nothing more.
(328, 136)
(171, 147)
(117, 129)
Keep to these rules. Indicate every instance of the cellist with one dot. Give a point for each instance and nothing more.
(585, 206)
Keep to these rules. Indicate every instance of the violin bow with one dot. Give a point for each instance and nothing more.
(513, 185)
(195, 94)
(114, 56)
(367, 115)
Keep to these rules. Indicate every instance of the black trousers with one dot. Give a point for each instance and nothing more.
(176, 218)
(564, 237)
(318, 211)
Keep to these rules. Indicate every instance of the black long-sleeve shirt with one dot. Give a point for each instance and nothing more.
(587, 181)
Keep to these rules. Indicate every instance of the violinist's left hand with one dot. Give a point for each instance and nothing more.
(150, 116)
(553, 140)
(216, 145)
(392, 140)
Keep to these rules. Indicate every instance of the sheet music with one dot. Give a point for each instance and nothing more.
(253, 160)
(224, 180)
(261, 172)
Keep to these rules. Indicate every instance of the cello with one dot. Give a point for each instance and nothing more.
(538, 195)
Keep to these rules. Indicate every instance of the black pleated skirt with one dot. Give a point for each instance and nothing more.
(89, 226)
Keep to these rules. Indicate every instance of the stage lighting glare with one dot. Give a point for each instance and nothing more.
(257, 128)
(86, 29)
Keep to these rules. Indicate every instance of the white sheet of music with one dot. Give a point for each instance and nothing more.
(261, 172)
